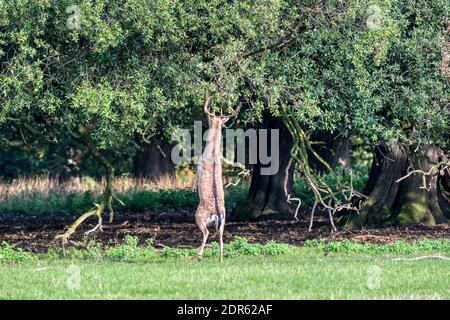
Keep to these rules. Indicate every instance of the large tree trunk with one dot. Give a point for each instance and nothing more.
(406, 202)
(153, 161)
(444, 191)
(266, 198)
(333, 148)
(416, 204)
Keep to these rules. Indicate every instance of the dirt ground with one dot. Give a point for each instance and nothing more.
(177, 229)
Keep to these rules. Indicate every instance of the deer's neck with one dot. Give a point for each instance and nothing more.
(213, 142)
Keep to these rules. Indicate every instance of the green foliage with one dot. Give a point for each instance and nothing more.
(138, 200)
(397, 247)
(9, 255)
(129, 251)
(178, 252)
(138, 65)
(73, 202)
(133, 65)
(369, 69)
(164, 199)
(242, 246)
(237, 247)
(235, 194)
(134, 68)
(52, 203)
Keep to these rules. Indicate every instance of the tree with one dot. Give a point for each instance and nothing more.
(415, 107)
(106, 71)
(266, 197)
(152, 160)
(98, 74)
(112, 71)
(370, 71)
(394, 199)
(333, 148)
(322, 78)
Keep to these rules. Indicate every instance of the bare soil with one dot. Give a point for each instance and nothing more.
(178, 229)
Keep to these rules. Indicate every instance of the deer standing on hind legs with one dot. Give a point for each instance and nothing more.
(208, 182)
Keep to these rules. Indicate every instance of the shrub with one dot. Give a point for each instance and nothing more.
(130, 251)
(398, 247)
(10, 255)
(237, 247)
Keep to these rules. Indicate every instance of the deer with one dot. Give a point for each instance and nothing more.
(208, 182)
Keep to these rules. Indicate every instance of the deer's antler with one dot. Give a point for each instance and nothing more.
(207, 104)
(235, 112)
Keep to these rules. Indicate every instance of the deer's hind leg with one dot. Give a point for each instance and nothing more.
(221, 228)
(202, 225)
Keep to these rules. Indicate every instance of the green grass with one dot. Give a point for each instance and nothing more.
(334, 270)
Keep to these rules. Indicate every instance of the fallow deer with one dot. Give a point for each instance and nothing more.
(208, 183)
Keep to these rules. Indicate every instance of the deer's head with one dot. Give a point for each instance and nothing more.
(217, 121)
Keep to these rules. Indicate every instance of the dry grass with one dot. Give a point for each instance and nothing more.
(45, 185)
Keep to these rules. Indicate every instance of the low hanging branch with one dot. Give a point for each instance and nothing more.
(330, 198)
(107, 197)
(289, 199)
(243, 173)
(439, 168)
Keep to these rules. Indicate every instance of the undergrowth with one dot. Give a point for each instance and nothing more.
(10, 255)
(44, 197)
(136, 200)
(131, 251)
(398, 247)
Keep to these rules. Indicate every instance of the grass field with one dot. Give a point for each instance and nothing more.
(338, 272)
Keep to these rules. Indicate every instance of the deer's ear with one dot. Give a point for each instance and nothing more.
(224, 120)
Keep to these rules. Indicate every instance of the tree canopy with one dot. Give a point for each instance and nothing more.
(105, 71)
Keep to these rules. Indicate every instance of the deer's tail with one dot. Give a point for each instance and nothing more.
(219, 220)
